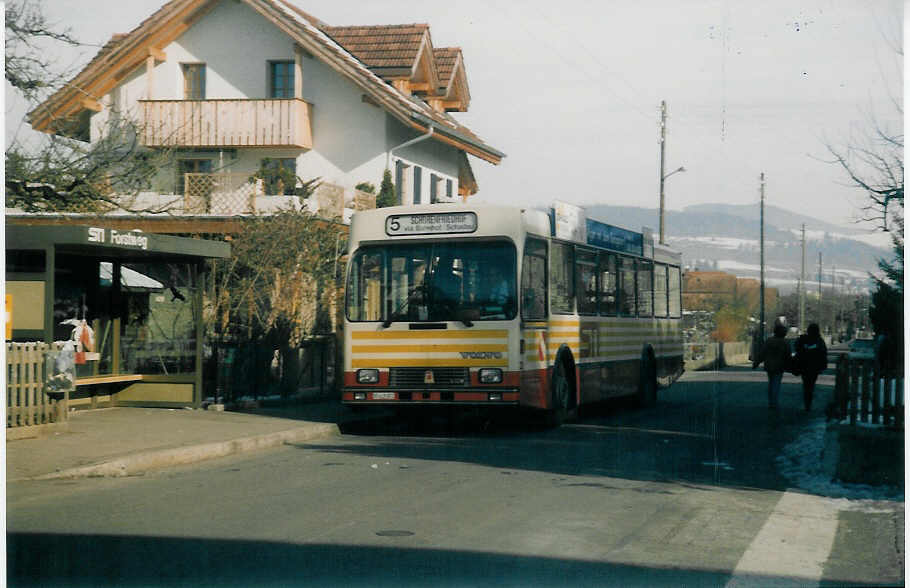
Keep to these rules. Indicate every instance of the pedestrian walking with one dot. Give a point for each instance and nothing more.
(812, 358)
(775, 354)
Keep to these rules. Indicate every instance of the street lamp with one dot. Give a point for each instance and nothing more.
(662, 179)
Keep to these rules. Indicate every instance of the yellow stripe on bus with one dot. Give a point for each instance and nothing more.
(428, 362)
(379, 335)
(430, 348)
(564, 323)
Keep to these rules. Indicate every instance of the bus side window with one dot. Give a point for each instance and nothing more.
(660, 290)
(674, 292)
(586, 281)
(607, 284)
(645, 294)
(534, 280)
(626, 286)
(562, 279)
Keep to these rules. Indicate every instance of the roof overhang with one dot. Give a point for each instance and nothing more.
(112, 243)
(456, 139)
(99, 78)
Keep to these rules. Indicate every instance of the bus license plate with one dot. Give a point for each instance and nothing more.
(383, 396)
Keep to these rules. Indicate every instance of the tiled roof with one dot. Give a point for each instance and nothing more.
(445, 62)
(386, 46)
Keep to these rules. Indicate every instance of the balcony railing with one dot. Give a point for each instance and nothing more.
(227, 123)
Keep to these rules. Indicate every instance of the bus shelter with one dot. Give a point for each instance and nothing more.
(140, 294)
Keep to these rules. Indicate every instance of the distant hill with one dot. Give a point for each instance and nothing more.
(726, 237)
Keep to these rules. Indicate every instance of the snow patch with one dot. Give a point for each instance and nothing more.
(802, 463)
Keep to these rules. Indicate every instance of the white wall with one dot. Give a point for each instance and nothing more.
(350, 137)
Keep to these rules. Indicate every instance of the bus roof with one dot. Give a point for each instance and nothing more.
(565, 222)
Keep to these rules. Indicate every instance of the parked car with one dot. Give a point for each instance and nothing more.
(861, 349)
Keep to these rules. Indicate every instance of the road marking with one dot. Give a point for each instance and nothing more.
(793, 545)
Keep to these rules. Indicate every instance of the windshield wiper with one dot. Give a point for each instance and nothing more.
(420, 288)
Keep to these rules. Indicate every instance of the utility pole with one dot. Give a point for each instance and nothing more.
(820, 317)
(802, 284)
(835, 303)
(663, 140)
(761, 291)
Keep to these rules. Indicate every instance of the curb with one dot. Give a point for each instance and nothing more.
(151, 460)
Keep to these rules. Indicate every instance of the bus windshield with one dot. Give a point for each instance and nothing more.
(433, 281)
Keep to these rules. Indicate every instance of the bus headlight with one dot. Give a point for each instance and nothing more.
(370, 376)
(490, 376)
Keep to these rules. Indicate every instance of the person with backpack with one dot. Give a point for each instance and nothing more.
(812, 359)
(775, 354)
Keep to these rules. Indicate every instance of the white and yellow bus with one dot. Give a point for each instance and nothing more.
(502, 306)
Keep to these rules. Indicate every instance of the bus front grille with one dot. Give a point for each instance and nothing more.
(428, 377)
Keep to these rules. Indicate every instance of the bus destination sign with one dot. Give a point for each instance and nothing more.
(610, 237)
(430, 224)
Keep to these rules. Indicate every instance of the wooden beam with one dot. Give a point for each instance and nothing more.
(403, 86)
(298, 71)
(91, 104)
(158, 54)
(111, 74)
(420, 86)
(150, 77)
(456, 105)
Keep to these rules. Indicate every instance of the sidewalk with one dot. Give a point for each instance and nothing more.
(129, 441)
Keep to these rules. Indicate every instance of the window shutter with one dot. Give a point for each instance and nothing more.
(449, 189)
(399, 175)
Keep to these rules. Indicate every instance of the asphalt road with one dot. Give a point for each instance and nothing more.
(686, 493)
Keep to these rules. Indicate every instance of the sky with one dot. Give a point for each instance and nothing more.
(570, 91)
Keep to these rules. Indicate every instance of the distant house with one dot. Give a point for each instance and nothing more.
(707, 290)
(228, 84)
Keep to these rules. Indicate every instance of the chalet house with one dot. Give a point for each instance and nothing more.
(227, 84)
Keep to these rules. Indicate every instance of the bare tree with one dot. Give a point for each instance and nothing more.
(60, 173)
(874, 163)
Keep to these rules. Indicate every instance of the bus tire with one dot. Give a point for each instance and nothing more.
(647, 381)
(560, 394)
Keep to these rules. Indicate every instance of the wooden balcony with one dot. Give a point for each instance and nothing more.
(227, 123)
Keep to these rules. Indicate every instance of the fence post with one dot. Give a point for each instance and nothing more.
(28, 388)
(841, 380)
(865, 366)
(854, 391)
(878, 382)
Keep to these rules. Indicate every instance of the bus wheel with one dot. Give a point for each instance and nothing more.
(647, 383)
(559, 410)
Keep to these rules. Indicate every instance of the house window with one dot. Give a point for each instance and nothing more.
(281, 79)
(280, 176)
(193, 81)
(193, 166)
(418, 174)
(449, 189)
(434, 187)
